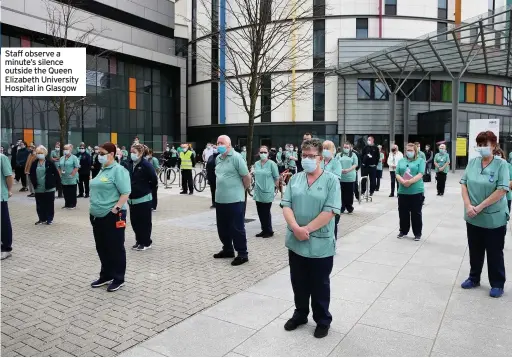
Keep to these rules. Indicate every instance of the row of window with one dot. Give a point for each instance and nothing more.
(362, 29)
(442, 8)
(435, 91)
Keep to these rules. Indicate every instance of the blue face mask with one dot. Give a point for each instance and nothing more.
(134, 157)
(102, 158)
(346, 150)
(221, 149)
(410, 155)
(442, 151)
(309, 165)
(263, 156)
(484, 151)
(327, 154)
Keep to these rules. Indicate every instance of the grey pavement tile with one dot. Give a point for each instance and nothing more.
(369, 271)
(393, 244)
(437, 275)
(367, 341)
(233, 354)
(278, 286)
(437, 245)
(355, 289)
(405, 317)
(199, 336)
(273, 340)
(385, 258)
(436, 258)
(345, 314)
(341, 260)
(470, 339)
(418, 292)
(248, 309)
(140, 352)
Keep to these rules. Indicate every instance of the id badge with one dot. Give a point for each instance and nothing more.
(63, 172)
(120, 224)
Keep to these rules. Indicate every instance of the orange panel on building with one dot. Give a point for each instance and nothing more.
(132, 84)
(470, 93)
(490, 94)
(28, 135)
(480, 93)
(499, 96)
(132, 95)
(113, 138)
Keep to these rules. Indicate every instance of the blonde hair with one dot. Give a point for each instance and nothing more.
(413, 145)
(329, 145)
(43, 149)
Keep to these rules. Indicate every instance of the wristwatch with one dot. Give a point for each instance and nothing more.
(118, 209)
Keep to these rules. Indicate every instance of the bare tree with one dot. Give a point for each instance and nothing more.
(263, 39)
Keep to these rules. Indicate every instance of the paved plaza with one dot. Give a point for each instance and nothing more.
(390, 297)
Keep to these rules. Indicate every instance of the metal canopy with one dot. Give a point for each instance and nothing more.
(480, 45)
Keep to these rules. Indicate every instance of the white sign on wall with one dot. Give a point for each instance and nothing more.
(481, 125)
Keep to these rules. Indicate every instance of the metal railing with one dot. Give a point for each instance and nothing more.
(366, 194)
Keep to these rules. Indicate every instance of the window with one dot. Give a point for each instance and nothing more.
(442, 27)
(435, 91)
(442, 9)
(319, 96)
(380, 91)
(364, 89)
(390, 7)
(266, 100)
(319, 39)
(372, 89)
(266, 11)
(446, 91)
(318, 8)
(362, 28)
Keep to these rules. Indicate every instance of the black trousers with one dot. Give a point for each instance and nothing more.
(409, 210)
(356, 186)
(187, 180)
(231, 227)
(347, 196)
(154, 202)
(394, 183)
(6, 228)
(492, 241)
(213, 188)
(59, 189)
(336, 222)
(441, 182)
(310, 278)
(372, 173)
(110, 246)
(45, 206)
(378, 178)
(265, 217)
(83, 184)
(142, 225)
(69, 195)
(20, 175)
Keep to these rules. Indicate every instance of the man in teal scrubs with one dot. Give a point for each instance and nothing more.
(291, 159)
(55, 157)
(349, 162)
(442, 165)
(232, 180)
(6, 180)
(266, 179)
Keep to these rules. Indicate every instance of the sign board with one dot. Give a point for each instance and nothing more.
(481, 125)
(461, 148)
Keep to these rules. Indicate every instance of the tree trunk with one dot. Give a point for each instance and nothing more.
(63, 121)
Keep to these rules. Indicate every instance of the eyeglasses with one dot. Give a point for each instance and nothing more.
(310, 156)
(263, 152)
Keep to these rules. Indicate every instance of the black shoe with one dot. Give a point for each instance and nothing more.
(135, 246)
(183, 192)
(224, 255)
(391, 195)
(239, 261)
(351, 211)
(86, 196)
(293, 324)
(80, 196)
(376, 189)
(31, 195)
(49, 222)
(114, 286)
(401, 235)
(39, 222)
(100, 282)
(260, 234)
(212, 207)
(191, 193)
(267, 235)
(321, 331)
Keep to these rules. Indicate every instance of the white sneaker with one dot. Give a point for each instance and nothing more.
(5, 255)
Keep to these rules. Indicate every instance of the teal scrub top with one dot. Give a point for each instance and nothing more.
(333, 167)
(6, 171)
(442, 159)
(280, 157)
(106, 188)
(509, 193)
(481, 183)
(348, 162)
(290, 163)
(174, 153)
(510, 157)
(41, 178)
(379, 166)
(265, 176)
(415, 167)
(422, 155)
(67, 165)
(155, 163)
(229, 172)
(244, 155)
(55, 154)
(307, 202)
(125, 154)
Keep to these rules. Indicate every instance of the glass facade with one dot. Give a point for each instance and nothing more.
(125, 98)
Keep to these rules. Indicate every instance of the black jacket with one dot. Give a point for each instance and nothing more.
(143, 177)
(96, 165)
(210, 168)
(52, 177)
(85, 161)
(373, 151)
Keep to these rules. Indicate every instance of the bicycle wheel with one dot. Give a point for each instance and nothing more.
(171, 176)
(161, 175)
(199, 182)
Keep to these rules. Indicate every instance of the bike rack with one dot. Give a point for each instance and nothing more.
(178, 176)
(367, 196)
(166, 185)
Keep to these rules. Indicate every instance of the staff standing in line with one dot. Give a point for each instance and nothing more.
(55, 157)
(68, 170)
(6, 182)
(393, 160)
(96, 165)
(156, 167)
(442, 165)
(266, 179)
(349, 162)
(45, 177)
(84, 172)
(31, 159)
(109, 193)
(379, 168)
(331, 165)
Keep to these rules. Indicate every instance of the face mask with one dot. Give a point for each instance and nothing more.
(309, 165)
(263, 156)
(208, 146)
(410, 154)
(484, 151)
(82, 150)
(96, 151)
(167, 149)
(215, 151)
(346, 150)
(326, 154)
(102, 158)
(66, 152)
(369, 142)
(442, 151)
(40, 156)
(222, 149)
(427, 148)
(244, 149)
(280, 149)
(296, 149)
(134, 157)
(57, 148)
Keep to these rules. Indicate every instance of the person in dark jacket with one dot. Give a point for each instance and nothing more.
(21, 159)
(370, 159)
(210, 173)
(44, 177)
(144, 180)
(96, 165)
(84, 172)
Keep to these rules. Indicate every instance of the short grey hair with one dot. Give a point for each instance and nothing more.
(312, 143)
(43, 149)
(70, 145)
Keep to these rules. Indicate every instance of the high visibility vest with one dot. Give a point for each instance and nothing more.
(186, 160)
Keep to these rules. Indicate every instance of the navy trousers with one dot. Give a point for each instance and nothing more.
(141, 220)
(69, 195)
(231, 227)
(491, 241)
(409, 212)
(347, 196)
(6, 228)
(310, 278)
(45, 206)
(372, 173)
(154, 194)
(110, 246)
(265, 217)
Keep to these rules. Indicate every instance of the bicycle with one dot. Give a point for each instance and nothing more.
(171, 175)
(284, 179)
(200, 179)
(250, 191)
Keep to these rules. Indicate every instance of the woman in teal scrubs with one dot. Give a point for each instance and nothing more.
(331, 165)
(45, 178)
(349, 162)
(266, 178)
(110, 190)
(68, 168)
(484, 185)
(501, 154)
(409, 174)
(310, 203)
